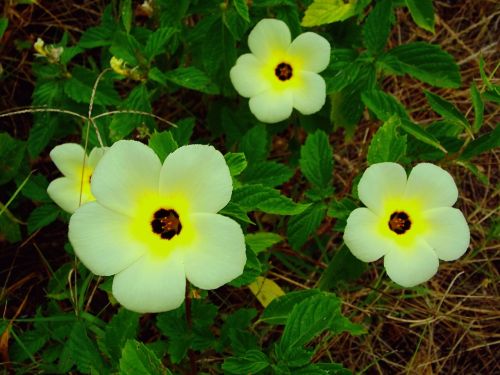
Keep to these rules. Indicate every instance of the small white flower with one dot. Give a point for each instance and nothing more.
(409, 221)
(279, 74)
(154, 225)
(73, 190)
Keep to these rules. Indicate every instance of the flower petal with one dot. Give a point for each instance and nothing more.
(272, 106)
(361, 237)
(380, 182)
(95, 155)
(311, 51)
(247, 76)
(309, 97)
(200, 174)
(65, 192)
(101, 239)
(127, 171)
(411, 266)
(218, 254)
(449, 233)
(152, 284)
(269, 37)
(432, 186)
(69, 159)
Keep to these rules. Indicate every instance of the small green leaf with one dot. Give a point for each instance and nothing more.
(482, 144)
(41, 133)
(252, 270)
(184, 130)
(344, 267)
(321, 12)
(251, 362)
(236, 212)
(421, 134)
(316, 161)
(242, 9)
(4, 23)
(261, 241)
(236, 162)
(383, 105)
(36, 188)
(126, 14)
(447, 110)
(42, 216)
(138, 359)
(126, 47)
(162, 143)
(387, 145)
(279, 309)
(157, 41)
(12, 152)
(267, 173)
(378, 26)
(422, 13)
(192, 78)
(254, 144)
(301, 226)
(475, 171)
(122, 327)
(478, 104)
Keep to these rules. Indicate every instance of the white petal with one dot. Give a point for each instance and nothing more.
(272, 106)
(380, 182)
(411, 266)
(95, 155)
(69, 159)
(198, 173)
(126, 172)
(65, 192)
(432, 186)
(217, 256)
(152, 284)
(362, 238)
(311, 51)
(448, 232)
(101, 239)
(310, 95)
(268, 38)
(248, 77)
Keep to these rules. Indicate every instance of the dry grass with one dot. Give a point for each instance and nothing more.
(450, 327)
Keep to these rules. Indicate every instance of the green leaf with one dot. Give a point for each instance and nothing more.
(261, 241)
(162, 143)
(126, 14)
(11, 156)
(122, 327)
(301, 226)
(277, 312)
(42, 216)
(192, 78)
(41, 133)
(157, 41)
(251, 362)
(242, 9)
(252, 270)
(79, 88)
(267, 173)
(236, 212)
(138, 359)
(4, 23)
(421, 134)
(387, 145)
(378, 26)
(182, 133)
(236, 162)
(475, 171)
(126, 47)
(340, 210)
(98, 36)
(424, 61)
(482, 144)
(9, 229)
(321, 12)
(255, 144)
(478, 104)
(236, 25)
(422, 13)
(383, 105)
(35, 188)
(265, 199)
(344, 267)
(447, 110)
(316, 161)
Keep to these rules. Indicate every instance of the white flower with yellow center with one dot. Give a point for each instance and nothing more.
(409, 221)
(154, 225)
(73, 190)
(279, 74)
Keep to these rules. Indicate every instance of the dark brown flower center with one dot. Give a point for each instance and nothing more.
(283, 71)
(166, 223)
(399, 222)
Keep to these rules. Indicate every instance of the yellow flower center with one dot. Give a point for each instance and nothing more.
(166, 223)
(283, 71)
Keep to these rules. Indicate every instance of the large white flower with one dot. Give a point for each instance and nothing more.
(154, 225)
(73, 190)
(409, 221)
(279, 74)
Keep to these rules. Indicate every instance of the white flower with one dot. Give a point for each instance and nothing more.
(73, 190)
(279, 74)
(409, 221)
(154, 225)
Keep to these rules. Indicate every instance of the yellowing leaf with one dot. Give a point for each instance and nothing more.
(321, 12)
(265, 290)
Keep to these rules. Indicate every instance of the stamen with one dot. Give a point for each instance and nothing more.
(166, 223)
(399, 222)
(283, 71)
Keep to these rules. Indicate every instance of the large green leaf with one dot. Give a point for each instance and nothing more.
(316, 161)
(421, 134)
(122, 327)
(422, 13)
(321, 12)
(267, 173)
(447, 110)
(162, 143)
(301, 226)
(138, 359)
(42, 216)
(157, 41)
(192, 78)
(236, 162)
(261, 241)
(250, 362)
(11, 155)
(378, 26)
(279, 309)
(383, 105)
(482, 144)
(387, 145)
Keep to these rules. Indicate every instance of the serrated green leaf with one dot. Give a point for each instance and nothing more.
(447, 110)
(478, 104)
(261, 241)
(301, 226)
(422, 13)
(316, 160)
(122, 327)
(265, 199)
(35, 188)
(383, 105)
(242, 9)
(344, 267)
(321, 12)
(267, 173)
(250, 362)
(9, 229)
(254, 144)
(11, 156)
(126, 47)
(79, 88)
(421, 134)
(236, 162)
(138, 359)
(4, 23)
(98, 36)
(279, 309)
(157, 41)
(192, 78)
(182, 133)
(42, 216)
(378, 26)
(236, 212)
(41, 133)
(162, 143)
(126, 14)
(482, 144)
(387, 145)
(236, 25)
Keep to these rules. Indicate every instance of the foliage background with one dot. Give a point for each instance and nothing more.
(449, 325)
